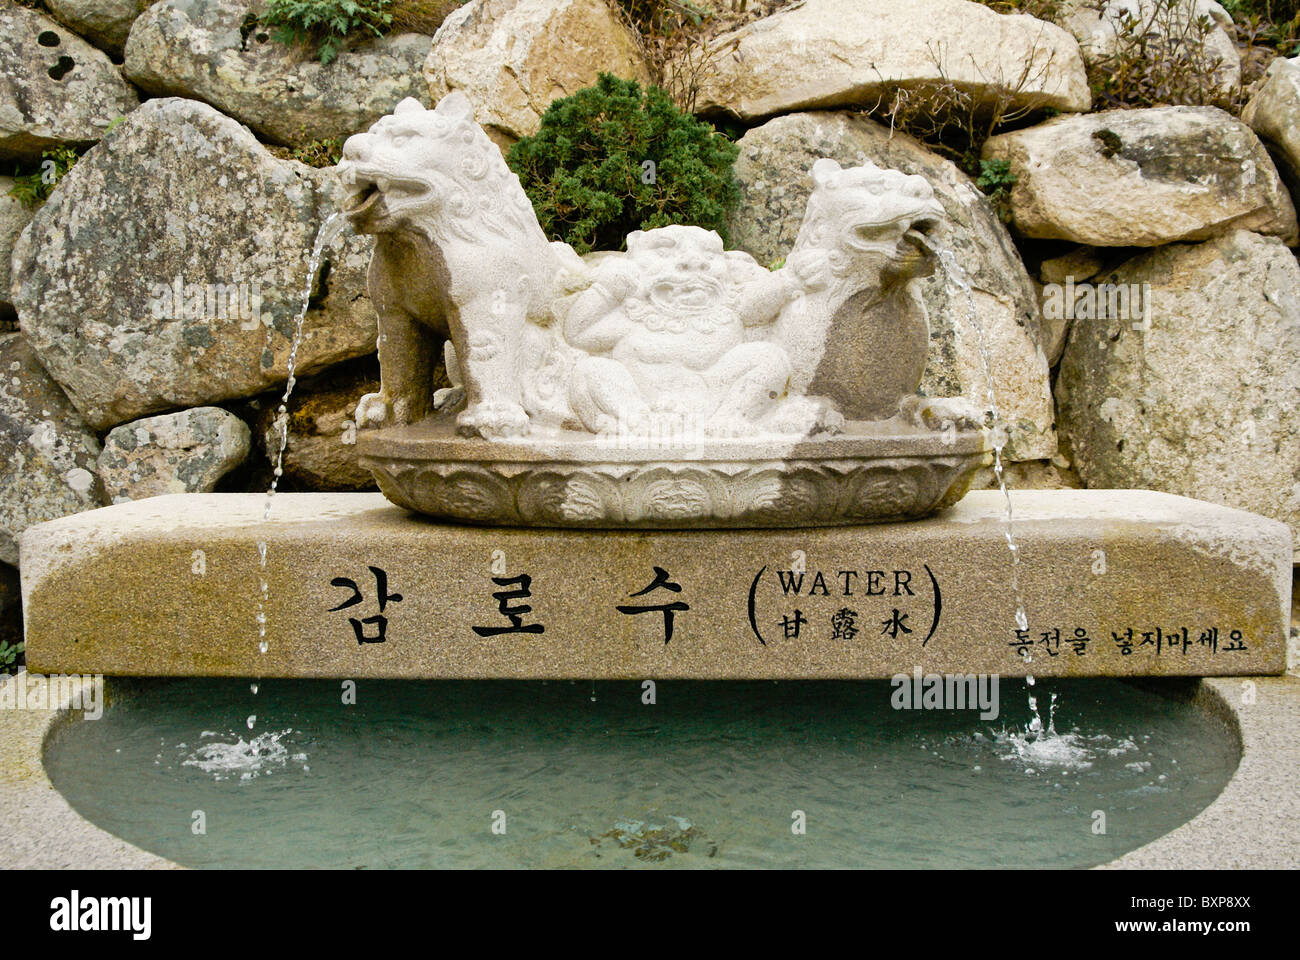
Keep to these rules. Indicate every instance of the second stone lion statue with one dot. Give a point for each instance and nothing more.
(676, 329)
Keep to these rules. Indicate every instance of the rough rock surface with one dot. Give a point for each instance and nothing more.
(1104, 28)
(55, 88)
(14, 216)
(1142, 178)
(1206, 403)
(105, 23)
(202, 49)
(773, 170)
(1274, 112)
(513, 57)
(839, 53)
(322, 450)
(181, 198)
(48, 454)
(183, 452)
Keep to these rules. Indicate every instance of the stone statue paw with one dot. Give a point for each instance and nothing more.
(830, 420)
(493, 419)
(804, 416)
(941, 413)
(373, 410)
(446, 398)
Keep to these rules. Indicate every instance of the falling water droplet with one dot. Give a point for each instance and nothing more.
(253, 687)
(252, 719)
(263, 646)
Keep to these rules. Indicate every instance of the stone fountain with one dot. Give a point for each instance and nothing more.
(633, 403)
(676, 384)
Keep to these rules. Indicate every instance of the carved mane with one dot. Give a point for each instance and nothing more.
(473, 188)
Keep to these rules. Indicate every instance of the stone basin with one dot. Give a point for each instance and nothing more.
(869, 473)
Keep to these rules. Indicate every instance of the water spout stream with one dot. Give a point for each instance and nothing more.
(957, 276)
(329, 233)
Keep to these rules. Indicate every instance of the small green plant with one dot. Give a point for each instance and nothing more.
(10, 656)
(996, 181)
(1162, 55)
(1274, 23)
(326, 25)
(613, 158)
(320, 153)
(34, 187)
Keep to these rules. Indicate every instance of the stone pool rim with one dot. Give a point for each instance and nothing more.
(1254, 823)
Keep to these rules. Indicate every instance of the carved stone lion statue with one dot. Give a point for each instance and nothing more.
(676, 329)
(458, 255)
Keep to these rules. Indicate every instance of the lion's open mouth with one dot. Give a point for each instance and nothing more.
(362, 200)
(366, 188)
(883, 234)
(920, 234)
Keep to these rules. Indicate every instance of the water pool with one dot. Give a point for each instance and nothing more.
(714, 774)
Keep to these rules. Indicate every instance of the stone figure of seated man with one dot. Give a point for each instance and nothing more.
(664, 328)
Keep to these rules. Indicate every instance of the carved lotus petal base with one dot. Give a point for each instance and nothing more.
(872, 472)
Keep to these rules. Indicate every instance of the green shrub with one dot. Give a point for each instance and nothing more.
(612, 158)
(326, 25)
(34, 187)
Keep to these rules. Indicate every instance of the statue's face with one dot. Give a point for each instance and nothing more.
(684, 277)
(884, 215)
(385, 170)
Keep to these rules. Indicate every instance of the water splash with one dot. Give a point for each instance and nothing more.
(243, 758)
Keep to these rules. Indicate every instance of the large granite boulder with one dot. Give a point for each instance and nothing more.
(183, 452)
(105, 23)
(14, 216)
(1157, 28)
(167, 268)
(55, 88)
(48, 453)
(1206, 402)
(207, 50)
(840, 53)
(321, 453)
(773, 170)
(513, 57)
(1142, 178)
(1274, 113)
